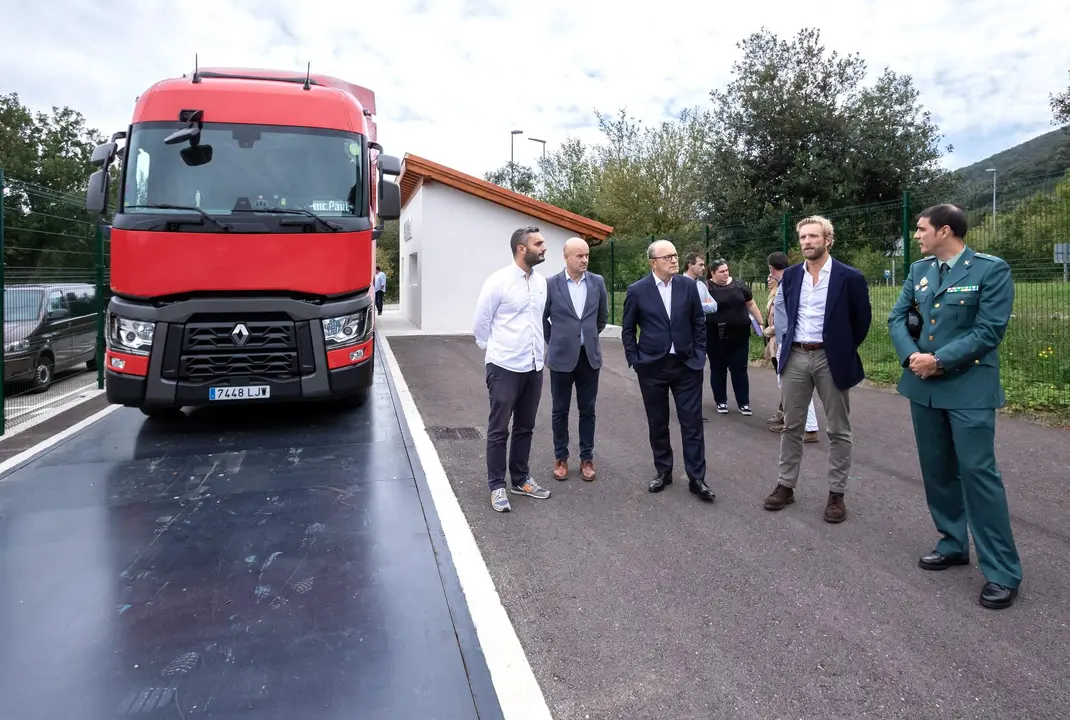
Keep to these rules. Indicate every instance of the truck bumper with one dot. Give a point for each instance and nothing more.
(177, 373)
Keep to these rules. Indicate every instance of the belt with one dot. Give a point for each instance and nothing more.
(808, 346)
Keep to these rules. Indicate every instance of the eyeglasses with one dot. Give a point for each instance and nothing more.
(674, 256)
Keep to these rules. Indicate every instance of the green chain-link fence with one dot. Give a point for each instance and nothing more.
(1030, 229)
(55, 291)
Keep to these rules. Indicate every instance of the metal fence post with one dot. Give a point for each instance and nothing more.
(612, 284)
(785, 232)
(906, 233)
(707, 243)
(98, 251)
(3, 416)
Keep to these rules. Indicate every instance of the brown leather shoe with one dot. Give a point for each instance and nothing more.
(780, 497)
(810, 436)
(835, 510)
(561, 470)
(587, 470)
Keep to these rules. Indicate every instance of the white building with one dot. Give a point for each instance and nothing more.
(455, 231)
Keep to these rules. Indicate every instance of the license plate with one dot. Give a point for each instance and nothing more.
(243, 392)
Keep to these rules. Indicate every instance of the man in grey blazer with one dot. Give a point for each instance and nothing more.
(577, 310)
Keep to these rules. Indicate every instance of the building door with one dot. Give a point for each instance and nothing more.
(415, 307)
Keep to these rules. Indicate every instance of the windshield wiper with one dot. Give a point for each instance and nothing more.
(292, 211)
(191, 208)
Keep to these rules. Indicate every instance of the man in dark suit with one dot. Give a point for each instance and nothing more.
(951, 377)
(577, 310)
(828, 317)
(670, 355)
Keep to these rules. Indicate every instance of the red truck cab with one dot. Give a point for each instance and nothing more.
(243, 241)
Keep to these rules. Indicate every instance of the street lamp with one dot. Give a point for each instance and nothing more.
(993, 171)
(543, 145)
(512, 137)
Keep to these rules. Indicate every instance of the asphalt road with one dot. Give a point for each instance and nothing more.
(632, 605)
(23, 406)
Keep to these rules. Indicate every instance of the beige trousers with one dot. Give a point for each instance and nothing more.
(806, 371)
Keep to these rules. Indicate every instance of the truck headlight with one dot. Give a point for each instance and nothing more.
(347, 329)
(130, 336)
(16, 346)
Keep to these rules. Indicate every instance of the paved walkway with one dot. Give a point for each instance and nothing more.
(279, 562)
(635, 605)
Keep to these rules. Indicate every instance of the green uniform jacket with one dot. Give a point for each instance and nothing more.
(963, 323)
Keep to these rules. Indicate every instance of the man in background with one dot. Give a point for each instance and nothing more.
(508, 325)
(577, 310)
(778, 262)
(379, 285)
(695, 268)
(670, 355)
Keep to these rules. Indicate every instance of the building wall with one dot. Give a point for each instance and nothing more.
(410, 241)
(464, 239)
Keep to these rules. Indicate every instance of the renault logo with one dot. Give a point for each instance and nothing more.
(240, 334)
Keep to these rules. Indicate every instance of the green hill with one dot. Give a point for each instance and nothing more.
(1019, 170)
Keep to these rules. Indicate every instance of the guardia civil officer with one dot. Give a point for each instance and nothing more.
(963, 300)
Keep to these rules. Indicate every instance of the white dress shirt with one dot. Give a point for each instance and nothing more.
(709, 305)
(810, 321)
(508, 319)
(665, 288)
(578, 292)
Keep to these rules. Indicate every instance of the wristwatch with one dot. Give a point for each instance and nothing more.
(939, 362)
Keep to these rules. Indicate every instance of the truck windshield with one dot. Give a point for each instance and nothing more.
(248, 168)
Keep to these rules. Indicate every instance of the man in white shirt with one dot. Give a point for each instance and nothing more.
(380, 289)
(828, 311)
(509, 326)
(695, 268)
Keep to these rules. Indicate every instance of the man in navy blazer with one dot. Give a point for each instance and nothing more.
(829, 315)
(670, 355)
(577, 310)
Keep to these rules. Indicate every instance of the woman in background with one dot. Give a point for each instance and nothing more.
(728, 337)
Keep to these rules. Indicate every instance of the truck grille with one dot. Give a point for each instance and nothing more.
(262, 335)
(278, 365)
(213, 348)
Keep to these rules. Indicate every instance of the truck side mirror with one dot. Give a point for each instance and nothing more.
(103, 154)
(389, 200)
(389, 165)
(96, 195)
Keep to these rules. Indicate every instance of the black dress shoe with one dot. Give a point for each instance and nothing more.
(997, 597)
(660, 481)
(939, 561)
(700, 488)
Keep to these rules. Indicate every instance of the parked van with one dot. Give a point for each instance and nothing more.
(48, 328)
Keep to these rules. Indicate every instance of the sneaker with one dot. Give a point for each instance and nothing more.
(499, 501)
(745, 410)
(531, 489)
(722, 408)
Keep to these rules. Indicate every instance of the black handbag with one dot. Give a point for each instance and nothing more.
(914, 322)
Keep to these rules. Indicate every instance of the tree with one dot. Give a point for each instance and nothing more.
(569, 178)
(650, 177)
(514, 176)
(45, 158)
(1060, 107)
(796, 130)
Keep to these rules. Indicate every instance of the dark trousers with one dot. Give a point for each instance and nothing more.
(513, 395)
(585, 378)
(728, 354)
(656, 380)
(964, 488)
(379, 295)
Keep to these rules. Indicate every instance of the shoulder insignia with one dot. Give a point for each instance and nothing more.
(986, 256)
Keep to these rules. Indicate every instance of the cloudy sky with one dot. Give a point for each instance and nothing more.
(453, 77)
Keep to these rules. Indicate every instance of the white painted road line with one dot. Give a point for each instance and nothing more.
(514, 681)
(32, 452)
